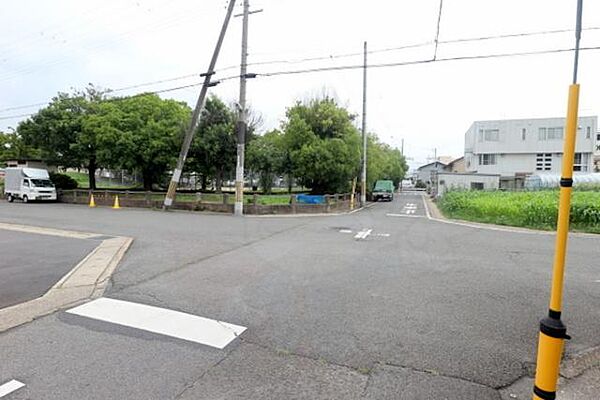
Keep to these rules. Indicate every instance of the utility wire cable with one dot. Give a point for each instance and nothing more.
(437, 33)
(331, 57)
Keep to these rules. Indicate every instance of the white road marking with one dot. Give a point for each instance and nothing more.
(10, 387)
(345, 231)
(404, 215)
(363, 234)
(597, 281)
(160, 320)
(383, 234)
(426, 207)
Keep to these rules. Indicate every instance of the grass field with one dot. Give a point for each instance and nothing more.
(530, 209)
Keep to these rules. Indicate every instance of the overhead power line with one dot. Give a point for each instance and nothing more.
(337, 56)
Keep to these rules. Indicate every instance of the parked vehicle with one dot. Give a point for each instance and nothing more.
(383, 190)
(28, 184)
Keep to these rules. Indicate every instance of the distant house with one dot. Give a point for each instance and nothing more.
(425, 172)
(456, 165)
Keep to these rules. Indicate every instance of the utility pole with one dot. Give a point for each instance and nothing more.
(402, 154)
(552, 330)
(242, 122)
(189, 135)
(363, 180)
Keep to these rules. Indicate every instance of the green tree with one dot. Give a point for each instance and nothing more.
(12, 146)
(383, 162)
(265, 156)
(323, 145)
(213, 150)
(58, 130)
(140, 133)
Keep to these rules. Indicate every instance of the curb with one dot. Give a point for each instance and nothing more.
(307, 215)
(87, 280)
(576, 364)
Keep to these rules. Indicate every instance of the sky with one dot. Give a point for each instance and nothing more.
(51, 46)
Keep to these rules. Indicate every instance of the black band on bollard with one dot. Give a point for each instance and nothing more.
(554, 314)
(566, 182)
(554, 328)
(542, 394)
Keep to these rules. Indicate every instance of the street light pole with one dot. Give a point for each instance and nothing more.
(552, 330)
(363, 180)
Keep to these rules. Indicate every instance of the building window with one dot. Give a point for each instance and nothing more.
(476, 185)
(598, 137)
(487, 159)
(542, 134)
(553, 133)
(588, 132)
(523, 134)
(491, 135)
(543, 162)
(581, 161)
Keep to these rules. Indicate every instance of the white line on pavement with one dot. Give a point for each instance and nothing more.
(10, 387)
(404, 215)
(345, 231)
(383, 234)
(363, 234)
(160, 320)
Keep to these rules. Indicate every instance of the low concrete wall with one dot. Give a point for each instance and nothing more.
(106, 198)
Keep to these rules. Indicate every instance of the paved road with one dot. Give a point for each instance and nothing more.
(30, 264)
(369, 305)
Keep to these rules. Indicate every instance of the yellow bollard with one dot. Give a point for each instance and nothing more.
(92, 202)
(116, 205)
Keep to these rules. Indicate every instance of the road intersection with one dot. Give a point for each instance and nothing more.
(411, 308)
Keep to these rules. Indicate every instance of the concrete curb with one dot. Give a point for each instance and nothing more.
(87, 280)
(576, 364)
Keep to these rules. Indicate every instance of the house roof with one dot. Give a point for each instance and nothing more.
(431, 163)
(455, 160)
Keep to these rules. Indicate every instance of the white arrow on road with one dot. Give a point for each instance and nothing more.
(363, 234)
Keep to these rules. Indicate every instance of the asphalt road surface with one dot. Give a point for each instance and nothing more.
(380, 304)
(30, 264)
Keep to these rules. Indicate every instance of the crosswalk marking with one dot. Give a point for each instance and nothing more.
(10, 387)
(363, 234)
(160, 320)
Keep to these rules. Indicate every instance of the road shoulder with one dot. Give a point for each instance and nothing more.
(87, 280)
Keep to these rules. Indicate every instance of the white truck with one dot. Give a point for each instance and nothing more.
(28, 184)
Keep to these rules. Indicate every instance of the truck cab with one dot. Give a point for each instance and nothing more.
(28, 184)
(384, 189)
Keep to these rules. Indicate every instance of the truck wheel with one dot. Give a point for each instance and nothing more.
(10, 198)
(25, 199)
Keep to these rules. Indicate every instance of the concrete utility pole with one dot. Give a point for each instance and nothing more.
(189, 135)
(363, 180)
(553, 331)
(242, 122)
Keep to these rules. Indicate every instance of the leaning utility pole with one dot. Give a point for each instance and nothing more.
(189, 135)
(553, 331)
(363, 180)
(242, 122)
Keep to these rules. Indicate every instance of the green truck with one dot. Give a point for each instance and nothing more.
(383, 190)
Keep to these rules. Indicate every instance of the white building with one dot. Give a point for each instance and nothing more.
(445, 181)
(520, 147)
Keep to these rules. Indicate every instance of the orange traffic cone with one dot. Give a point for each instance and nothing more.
(92, 202)
(116, 205)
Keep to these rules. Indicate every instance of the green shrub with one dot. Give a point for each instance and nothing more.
(62, 181)
(532, 209)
